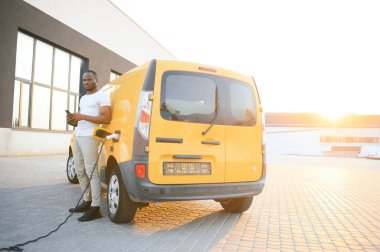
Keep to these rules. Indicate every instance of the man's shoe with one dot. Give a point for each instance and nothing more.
(91, 214)
(81, 208)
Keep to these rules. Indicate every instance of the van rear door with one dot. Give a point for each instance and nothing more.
(185, 105)
(243, 133)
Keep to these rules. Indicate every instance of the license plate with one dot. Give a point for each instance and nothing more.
(187, 168)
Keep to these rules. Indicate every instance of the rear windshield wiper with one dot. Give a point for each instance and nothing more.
(216, 112)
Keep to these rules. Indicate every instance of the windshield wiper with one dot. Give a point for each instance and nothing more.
(216, 112)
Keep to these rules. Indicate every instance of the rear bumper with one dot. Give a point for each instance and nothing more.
(141, 190)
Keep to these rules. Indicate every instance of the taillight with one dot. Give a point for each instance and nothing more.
(140, 170)
(144, 117)
(145, 110)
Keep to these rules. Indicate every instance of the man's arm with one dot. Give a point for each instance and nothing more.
(103, 118)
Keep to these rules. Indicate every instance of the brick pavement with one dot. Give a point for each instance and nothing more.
(308, 204)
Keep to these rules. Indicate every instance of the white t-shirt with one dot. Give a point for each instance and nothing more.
(90, 105)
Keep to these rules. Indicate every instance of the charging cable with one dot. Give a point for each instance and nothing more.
(17, 247)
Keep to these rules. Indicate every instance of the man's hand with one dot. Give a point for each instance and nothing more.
(71, 121)
(75, 117)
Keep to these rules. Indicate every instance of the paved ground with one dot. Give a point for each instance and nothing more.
(308, 204)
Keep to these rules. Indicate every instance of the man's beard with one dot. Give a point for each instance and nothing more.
(90, 88)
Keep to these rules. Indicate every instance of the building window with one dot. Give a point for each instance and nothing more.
(336, 139)
(114, 75)
(47, 83)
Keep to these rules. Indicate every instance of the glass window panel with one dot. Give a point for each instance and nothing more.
(72, 104)
(24, 56)
(16, 104)
(25, 105)
(242, 104)
(71, 108)
(76, 103)
(75, 78)
(188, 97)
(67, 74)
(41, 107)
(61, 69)
(59, 106)
(112, 76)
(43, 63)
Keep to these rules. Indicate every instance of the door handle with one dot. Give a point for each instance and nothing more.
(187, 156)
(211, 142)
(168, 140)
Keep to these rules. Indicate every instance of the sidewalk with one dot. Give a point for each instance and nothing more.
(308, 204)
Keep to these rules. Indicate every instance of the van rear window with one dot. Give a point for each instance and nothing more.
(205, 98)
(188, 97)
(242, 105)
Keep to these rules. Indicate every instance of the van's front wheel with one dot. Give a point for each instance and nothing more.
(237, 205)
(120, 207)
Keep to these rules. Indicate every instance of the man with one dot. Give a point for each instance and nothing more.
(95, 109)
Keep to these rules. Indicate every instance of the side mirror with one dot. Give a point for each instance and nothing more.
(100, 133)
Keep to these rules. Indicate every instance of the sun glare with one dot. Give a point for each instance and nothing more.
(333, 115)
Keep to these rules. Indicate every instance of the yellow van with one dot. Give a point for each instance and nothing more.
(187, 132)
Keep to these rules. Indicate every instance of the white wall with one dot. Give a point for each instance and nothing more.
(104, 23)
(306, 141)
(297, 141)
(20, 142)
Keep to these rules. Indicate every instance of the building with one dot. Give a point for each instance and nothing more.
(314, 135)
(45, 46)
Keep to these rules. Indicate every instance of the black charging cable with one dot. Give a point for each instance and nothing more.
(17, 247)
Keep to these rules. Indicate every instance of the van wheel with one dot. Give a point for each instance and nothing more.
(120, 207)
(237, 205)
(70, 170)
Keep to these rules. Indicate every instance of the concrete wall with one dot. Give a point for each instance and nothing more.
(297, 141)
(306, 141)
(22, 142)
(103, 22)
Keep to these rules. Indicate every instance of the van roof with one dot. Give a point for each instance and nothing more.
(193, 67)
(197, 67)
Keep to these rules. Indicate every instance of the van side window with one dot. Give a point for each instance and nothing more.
(242, 104)
(188, 97)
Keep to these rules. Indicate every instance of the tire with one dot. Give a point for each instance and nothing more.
(120, 208)
(237, 205)
(70, 170)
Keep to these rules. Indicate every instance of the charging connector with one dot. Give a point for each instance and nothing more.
(115, 136)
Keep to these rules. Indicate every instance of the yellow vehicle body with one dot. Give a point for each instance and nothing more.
(197, 131)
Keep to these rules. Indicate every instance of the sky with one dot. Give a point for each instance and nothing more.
(305, 56)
